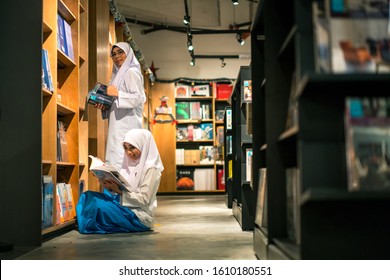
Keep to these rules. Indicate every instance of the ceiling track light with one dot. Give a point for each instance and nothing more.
(235, 2)
(223, 63)
(190, 47)
(239, 39)
(186, 20)
(192, 62)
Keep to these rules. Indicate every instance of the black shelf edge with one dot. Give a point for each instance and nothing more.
(331, 194)
(346, 84)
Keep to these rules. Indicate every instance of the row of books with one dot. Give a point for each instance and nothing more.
(190, 132)
(223, 90)
(203, 155)
(65, 204)
(199, 179)
(64, 37)
(192, 110)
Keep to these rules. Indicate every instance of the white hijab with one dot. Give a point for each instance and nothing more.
(134, 171)
(130, 62)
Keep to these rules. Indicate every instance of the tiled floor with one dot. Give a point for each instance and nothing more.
(197, 227)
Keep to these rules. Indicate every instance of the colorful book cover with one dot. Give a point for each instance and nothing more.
(182, 91)
(206, 131)
(98, 95)
(61, 41)
(183, 110)
(185, 179)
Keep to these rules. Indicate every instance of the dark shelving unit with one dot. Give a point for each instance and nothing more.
(243, 198)
(333, 222)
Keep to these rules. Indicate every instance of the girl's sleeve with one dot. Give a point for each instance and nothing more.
(146, 192)
(131, 93)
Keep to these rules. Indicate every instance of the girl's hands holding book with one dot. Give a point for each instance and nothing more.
(111, 185)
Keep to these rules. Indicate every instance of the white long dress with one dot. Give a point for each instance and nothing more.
(126, 112)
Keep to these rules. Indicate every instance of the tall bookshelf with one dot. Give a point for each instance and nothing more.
(66, 103)
(242, 192)
(332, 222)
(165, 133)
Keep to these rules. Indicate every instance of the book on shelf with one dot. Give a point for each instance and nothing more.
(367, 138)
(247, 90)
(292, 109)
(47, 79)
(260, 216)
(248, 120)
(182, 132)
(205, 110)
(206, 154)
(321, 37)
(106, 171)
(98, 95)
(47, 201)
(195, 110)
(68, 40)
(229, 144)
(182, 91)
(206, 131)
(63, 201)
(219, 115)
(185, 179)
(220, 135)
(179, 156)
(248, 163)
(221, 179)
(183, 110)
(293, 204)
(62, 143)
(228, 115)
(191, 157)
(200, 90)
(358, 36)
(204, 179)
(61, 41)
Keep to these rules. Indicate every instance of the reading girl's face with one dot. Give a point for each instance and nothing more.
(131, 151)
(118, 56)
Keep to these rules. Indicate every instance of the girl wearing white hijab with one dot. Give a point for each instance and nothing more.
(126, 211)
(127, 85)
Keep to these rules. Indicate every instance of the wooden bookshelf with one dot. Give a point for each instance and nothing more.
(165, 134)
(65, 104)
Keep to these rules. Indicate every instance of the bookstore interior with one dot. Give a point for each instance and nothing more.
(297, 142)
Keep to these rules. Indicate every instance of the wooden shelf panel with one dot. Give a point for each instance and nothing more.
(65, 12)
(64, 61)
(64, 110)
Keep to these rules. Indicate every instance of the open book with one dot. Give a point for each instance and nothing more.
(98, 95)
(108, 172)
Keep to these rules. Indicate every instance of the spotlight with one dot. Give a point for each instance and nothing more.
(239, 39)
(190, 46)
(192, 62)
(235, 2)
(223, 63)
(186, 20)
